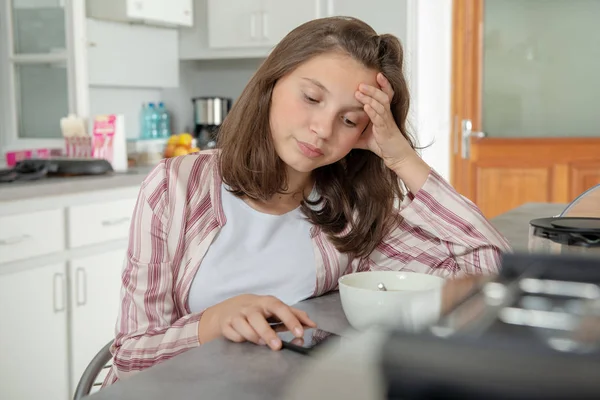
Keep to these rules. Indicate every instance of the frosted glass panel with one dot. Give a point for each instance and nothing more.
(42, 99)
(541, 68)
(38, 26)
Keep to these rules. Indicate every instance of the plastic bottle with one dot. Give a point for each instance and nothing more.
(144, 123)
(164, 121)
(153, 119)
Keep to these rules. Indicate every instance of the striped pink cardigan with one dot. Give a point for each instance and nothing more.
(179, 213)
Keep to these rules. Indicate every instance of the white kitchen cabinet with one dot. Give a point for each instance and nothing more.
(33, 334)
(255, 23)
(152, 12)
(125, 55)
(279, 17)
(385, 16)
(94, 301)
(31, 234)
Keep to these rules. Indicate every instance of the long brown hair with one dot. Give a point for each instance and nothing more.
(357, 193)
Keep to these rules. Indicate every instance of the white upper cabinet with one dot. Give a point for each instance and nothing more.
(124, 55)
(385, 16)
(256, 23)
(279, 17)
(251, 28)
(152, 12)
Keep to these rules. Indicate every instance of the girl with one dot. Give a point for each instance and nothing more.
(308, 184)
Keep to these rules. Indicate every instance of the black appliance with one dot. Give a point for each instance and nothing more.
(533, 332)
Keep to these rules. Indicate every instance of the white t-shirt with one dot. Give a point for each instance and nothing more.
(256, 253)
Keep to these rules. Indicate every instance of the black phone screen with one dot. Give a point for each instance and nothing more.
(313, 338)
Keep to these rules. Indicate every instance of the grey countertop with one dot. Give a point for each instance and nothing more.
(225, 370)
(61, 186)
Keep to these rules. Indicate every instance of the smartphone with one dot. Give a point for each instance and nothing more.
(312, 339)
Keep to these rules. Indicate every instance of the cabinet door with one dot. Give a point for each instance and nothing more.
(279, 17)
(234, 23)
(178, 12)
(385, 16)
(126, 55)
(95, 298)
(33, 334)
(172, 12)
(139, 9)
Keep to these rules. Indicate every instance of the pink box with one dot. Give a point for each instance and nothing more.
(13, 157)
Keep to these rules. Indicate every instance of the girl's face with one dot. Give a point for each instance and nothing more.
(315, 118)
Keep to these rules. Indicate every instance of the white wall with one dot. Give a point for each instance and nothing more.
(432, 81)
(126, 101)
(226, 78)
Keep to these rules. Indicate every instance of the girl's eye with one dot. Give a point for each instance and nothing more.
(310, 99)
(348, 122)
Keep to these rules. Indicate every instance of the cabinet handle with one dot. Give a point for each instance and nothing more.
(81, 286)
(113, 222)
(253, 25)
(265, 25)
(58, 293)
(14, 240)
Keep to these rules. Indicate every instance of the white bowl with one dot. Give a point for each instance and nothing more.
(412, 300)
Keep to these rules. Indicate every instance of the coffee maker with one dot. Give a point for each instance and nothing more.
(209, 113)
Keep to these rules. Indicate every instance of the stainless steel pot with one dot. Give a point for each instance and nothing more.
(210, 111)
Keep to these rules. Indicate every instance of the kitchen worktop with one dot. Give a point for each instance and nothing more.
(63, 191)
(226, 370)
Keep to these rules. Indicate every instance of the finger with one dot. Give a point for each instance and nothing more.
(385, 86)
(264, 330)
(375, 117)
(376, 93)
(282, 311)
(231, 334)
(367, 99)
(242, 327)
(303, 318)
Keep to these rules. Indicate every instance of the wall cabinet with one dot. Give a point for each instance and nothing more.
(131, 55)
(385, 16)
(255, 23)
(152, 12)
(251, 28)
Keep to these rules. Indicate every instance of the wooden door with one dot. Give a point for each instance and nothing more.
(525, 87)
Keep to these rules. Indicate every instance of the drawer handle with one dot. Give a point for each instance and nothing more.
(14, 240)
(113, 222)
(81, 286)
(58, 293)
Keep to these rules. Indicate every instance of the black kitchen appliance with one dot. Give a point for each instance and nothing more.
(531, 333)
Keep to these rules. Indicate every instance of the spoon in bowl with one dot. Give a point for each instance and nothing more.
(381, 287)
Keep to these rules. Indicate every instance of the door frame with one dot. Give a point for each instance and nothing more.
(465, 102)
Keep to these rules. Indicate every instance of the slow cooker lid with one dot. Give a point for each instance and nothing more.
(573, 231)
